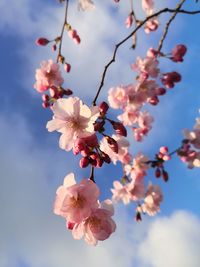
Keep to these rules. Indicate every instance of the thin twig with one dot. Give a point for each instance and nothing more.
(62, 31)
(168, 24)
(165, 10)
(92, 174)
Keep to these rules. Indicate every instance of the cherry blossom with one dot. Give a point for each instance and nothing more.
(152, 200)
(117, 97)
(75, 202)
(122, 154)
(73, 120)
(48, 75)
(98, 226)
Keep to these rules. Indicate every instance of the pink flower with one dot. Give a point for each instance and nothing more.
(98, 226)
(147, 6)
(123, 145)
(85, 5)
(73, 119)
(148, 65)
(151, 25)
(120, 192)
(48, 75)
(117, 97)
(75, 202)
(138, 168)
(136, 189)
(152, 200)
(129, 117)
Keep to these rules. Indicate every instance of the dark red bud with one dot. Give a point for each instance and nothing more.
(157, 173)
(84, 162)
(165, 176)
(42, 41)
(119, 128)
(105, 157)
(103, 107)
(112, 144)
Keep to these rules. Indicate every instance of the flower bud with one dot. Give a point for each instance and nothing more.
(42, 41)
(157, 173)
(105, 157)
(84, 162)
(112, 144)
(103, 107)
(67, 92)
(119, 128)
(163, 149)
(165, 176)
(67, 67)
(178, 53)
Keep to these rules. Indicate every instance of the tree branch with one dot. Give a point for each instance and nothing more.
(165, 10)
(168, 24)
(62, 31)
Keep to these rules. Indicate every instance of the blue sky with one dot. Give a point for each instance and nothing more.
(32, 165)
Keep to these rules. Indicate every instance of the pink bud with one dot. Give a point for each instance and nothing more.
(153, 101)
(42, 41)
(152, 53)
(160, 91)
(166, 157)
(84, 162)
(54, 47)
(67, 67)
(129, 21)
(163, 149)
(119, 128)
(178, 53)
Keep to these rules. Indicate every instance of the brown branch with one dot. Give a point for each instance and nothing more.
(168, 24)
(62, 31)
(165, 10)
(92, 174)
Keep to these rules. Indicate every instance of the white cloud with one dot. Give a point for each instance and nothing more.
(172, 241)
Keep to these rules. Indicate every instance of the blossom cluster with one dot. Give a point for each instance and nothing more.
(96, 138)
(190, 149)
(85, 215)
(151, 84)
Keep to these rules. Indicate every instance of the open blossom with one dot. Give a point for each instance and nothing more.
(117, 97)
(98, 226)
(48, 75)
(129, 117)
(75, 202)
(137, 170)
(123, 146)
(148, 65)
(86, 5)
(132, 191)
(152, 200)
(120, 193)
(73, 119)
(194, 136)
